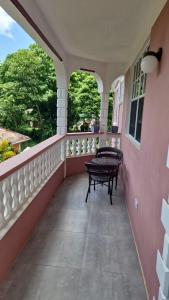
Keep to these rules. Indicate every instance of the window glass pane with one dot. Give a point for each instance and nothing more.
(133, 117)
(139, 119)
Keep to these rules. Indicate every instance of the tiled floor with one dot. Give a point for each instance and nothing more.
(79, 251)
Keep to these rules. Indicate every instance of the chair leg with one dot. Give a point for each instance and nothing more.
(88, 191)
(111, 190)
(109, 187)
(94, 186)
(87, 195)
(89, 184)
(111, 196)
(112, 183)
(116, 182)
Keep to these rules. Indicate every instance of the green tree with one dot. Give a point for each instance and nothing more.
(83, 97)
(28, 81)
(28, 94)
(110, 111)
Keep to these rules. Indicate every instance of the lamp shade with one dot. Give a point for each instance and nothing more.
(151, 60)
(149, 64)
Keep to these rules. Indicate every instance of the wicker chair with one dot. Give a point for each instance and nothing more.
(100, 174)
(114, 153)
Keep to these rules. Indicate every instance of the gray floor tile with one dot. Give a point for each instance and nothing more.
(95, 285)
(123, 288)
(109, 223)
(66, 220)
(101, 254)
(4, 287)
(44, 283)
(78, 251)
(64, 249)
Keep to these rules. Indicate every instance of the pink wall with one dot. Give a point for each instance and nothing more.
(13, 242)
(15, 239)
(145, 174)
(76, 165)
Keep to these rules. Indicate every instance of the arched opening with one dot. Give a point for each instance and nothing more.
(83, 101)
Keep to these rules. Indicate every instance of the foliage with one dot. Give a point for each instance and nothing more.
(28, 93)
(6, 150)
(110, 111)
(29, 143)
(83, 98)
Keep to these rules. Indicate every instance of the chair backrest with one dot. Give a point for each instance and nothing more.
(100, 170)
(109, 152)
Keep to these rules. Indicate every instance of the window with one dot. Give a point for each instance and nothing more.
(137, 100)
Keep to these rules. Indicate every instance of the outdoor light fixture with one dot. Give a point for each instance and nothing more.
(150, 61)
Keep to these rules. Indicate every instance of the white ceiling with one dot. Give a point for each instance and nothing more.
(103, 35)
(107, 31)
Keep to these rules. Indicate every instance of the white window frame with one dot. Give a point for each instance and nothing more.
(136, 76)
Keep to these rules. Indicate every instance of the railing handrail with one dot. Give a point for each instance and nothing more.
(14, 163)
(113, 134)
(71, 134)
(11, 165)
(85, 143)
(23, 176)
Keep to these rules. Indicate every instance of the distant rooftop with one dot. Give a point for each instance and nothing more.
(12, 137)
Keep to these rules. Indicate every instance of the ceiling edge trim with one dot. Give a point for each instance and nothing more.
(87, 70)
(35, 27)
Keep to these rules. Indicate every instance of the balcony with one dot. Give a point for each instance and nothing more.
(107, 42)
(75, 250)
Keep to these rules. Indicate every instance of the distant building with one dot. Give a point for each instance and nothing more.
(14, 138)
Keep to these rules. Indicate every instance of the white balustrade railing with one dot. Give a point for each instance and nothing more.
(113, 140)
(23, 176)
(81, 144)
(31, 170)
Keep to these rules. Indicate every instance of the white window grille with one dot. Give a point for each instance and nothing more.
(137, 98)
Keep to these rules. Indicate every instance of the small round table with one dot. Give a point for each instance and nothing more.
(106, 161)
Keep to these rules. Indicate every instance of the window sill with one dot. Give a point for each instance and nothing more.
(133, 141)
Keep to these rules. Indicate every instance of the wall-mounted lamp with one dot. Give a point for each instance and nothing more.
(151, 60)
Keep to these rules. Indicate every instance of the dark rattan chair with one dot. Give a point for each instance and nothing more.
(100, 174)
(109, 152)
(114, 153)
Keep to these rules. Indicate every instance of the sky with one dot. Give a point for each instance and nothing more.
(12, 36)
